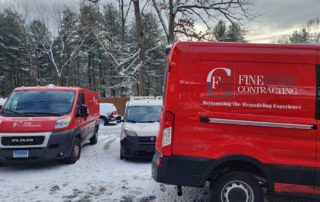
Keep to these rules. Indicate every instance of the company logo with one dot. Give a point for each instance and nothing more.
(16, 124)
(21, 140)
(219, 82)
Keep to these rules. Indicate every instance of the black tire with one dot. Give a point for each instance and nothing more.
(75, 152)
(121, 155)
(235, 186)
(94, 139)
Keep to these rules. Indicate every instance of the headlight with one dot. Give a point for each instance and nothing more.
(63, 123)
(129, 132)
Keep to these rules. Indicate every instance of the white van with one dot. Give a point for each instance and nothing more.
(140, 127)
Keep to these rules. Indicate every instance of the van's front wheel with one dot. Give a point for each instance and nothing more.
(75, 152)
(235, 186)
(121, 153)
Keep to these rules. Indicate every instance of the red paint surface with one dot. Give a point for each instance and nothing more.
(186, 89)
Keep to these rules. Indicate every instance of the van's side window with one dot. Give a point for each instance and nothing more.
(80, 100)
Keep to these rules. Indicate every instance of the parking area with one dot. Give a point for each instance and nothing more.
(98, 176)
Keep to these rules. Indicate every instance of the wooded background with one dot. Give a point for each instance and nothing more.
(117, 48)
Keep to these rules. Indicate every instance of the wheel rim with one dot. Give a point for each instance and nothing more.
(237, 191)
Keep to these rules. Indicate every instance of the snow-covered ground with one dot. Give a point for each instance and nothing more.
(98, 176)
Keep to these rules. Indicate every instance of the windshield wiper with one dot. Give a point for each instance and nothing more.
(43, 113)
(131, 121)
(11, 111)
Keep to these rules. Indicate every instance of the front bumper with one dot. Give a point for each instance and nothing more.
(57, 146)
(138, 146)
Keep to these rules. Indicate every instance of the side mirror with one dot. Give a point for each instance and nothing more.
(83, 111)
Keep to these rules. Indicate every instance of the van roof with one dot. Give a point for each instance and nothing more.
(50, 87)
(146, 102)
(237, 44)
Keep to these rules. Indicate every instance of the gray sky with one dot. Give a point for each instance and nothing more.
(276, 17)
(280, 17)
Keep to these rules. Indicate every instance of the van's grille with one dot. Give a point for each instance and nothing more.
(147, 140)
(22, 140)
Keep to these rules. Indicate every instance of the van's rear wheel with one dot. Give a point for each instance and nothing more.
(235, 186)
(75, 152)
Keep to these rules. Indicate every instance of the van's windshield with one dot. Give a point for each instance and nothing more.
(143, 114)
(38, 103)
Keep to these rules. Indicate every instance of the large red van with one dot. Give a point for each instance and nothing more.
(44, 123)
(244, 117)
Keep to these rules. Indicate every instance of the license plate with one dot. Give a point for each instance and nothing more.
(20, 154)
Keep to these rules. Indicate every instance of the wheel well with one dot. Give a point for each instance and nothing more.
(240, 165)
(78, 136)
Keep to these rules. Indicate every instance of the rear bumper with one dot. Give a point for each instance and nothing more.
(58, 147)
(179, 170)
(135, 147)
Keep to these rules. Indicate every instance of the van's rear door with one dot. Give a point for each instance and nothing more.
(317, 182)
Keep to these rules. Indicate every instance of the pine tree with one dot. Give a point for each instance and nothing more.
(13, 66)
(219, 31)
(155, 42)
(41, 69)
(91, 52)
(300, 36)
(231, 33)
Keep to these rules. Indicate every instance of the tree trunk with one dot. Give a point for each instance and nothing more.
(172, 16)
(141, 45)
(123, 20)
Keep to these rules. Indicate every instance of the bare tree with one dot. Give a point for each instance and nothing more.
(141, 46)
(64, 48)
(179, 16)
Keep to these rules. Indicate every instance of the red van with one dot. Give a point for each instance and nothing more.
(244, 117)
(45, 123)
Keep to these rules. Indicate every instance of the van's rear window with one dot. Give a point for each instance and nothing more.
(39, 103)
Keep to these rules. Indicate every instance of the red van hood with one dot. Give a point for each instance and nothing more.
(27, 124)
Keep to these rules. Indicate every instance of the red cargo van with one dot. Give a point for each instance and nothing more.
(44, 123)
(244, 117)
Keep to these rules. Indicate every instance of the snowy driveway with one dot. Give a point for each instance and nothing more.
(98, 176)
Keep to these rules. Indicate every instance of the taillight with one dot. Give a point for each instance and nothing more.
(113, 113)
(167, 133)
